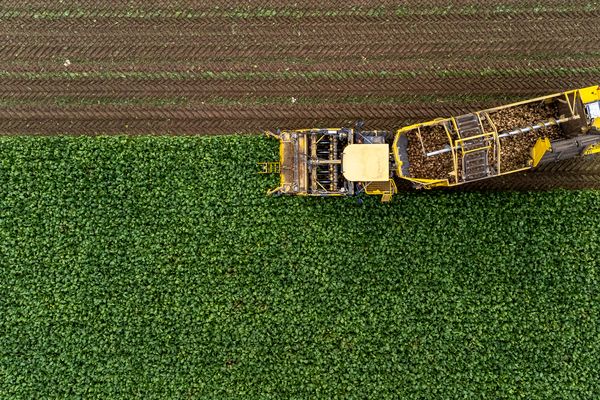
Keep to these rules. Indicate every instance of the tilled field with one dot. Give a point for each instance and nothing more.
(184, 67)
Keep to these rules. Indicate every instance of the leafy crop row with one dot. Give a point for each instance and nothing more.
(155, 267)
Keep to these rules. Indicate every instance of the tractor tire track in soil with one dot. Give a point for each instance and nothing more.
(324, 55)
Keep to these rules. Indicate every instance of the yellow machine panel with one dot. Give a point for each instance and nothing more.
(589, 94)
(542, 145)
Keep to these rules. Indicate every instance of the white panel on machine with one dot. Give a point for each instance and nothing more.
(366, 162)
(593, 109)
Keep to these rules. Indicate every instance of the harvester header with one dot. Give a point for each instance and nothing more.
(444, 152)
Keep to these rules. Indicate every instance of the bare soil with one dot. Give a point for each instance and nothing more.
(311, 58)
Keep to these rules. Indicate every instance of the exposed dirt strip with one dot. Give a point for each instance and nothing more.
(219, 67)
(267, 9)
(184, 51)
(156, 126)
(298, 30)
(278, 4)
(274, 69)
(132, 87)
(208, 119)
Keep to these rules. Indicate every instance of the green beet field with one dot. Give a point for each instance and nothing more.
(156, 267)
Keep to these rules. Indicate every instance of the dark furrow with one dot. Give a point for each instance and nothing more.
(160, 30)
(193, 88)
(164, 127)
(324, 112)
(191, 51)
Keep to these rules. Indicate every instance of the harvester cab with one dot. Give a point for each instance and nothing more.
(334, 162)
(444, 152)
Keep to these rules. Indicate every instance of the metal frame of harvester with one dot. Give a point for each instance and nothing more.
(348, 161)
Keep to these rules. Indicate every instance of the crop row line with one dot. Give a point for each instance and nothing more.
(296, 37)
(357, 62)
(424, 65)
(234, 112)
(488, 36)
(306, 75)
(296, 13)
(202, 51)
(28, 88)
(244, 100)
(289, 27)
(180, 127)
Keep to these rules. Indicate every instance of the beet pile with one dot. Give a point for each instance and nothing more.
(435, 167)
(515, 149)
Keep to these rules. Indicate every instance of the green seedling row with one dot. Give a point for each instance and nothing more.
(246, 12)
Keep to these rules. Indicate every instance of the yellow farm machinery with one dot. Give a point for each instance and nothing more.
(444, 152)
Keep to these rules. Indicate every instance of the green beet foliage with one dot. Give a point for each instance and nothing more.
(156, 267)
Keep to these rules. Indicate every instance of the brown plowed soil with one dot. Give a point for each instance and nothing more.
(189, 67)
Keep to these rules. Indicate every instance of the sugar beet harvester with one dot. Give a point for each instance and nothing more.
(444, 152)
